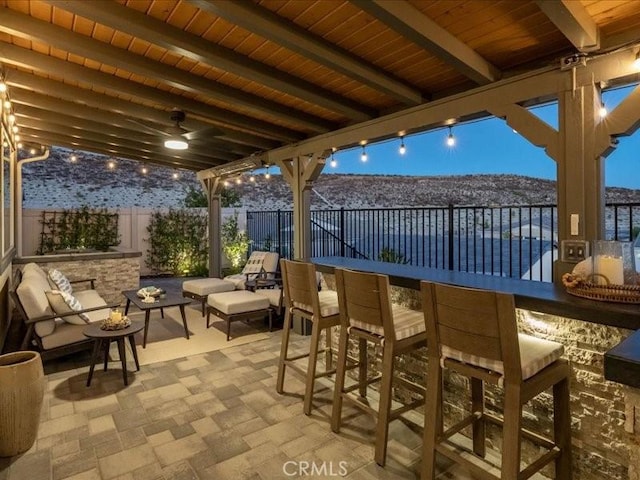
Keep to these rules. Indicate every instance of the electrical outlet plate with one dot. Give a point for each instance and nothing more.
(574, 251)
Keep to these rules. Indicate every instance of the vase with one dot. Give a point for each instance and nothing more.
(22, 386)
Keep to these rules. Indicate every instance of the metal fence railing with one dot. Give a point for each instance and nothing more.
(511, 241)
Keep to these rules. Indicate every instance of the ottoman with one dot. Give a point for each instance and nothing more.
(199, 289)
(238, 305)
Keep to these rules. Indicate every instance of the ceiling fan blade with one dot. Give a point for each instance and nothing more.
(148, 127)
(203, 134)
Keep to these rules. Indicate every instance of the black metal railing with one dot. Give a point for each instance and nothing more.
(511, 241)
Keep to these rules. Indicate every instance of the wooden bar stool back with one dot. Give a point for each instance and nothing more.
(474, 333)
(301, 297)
(367, 314)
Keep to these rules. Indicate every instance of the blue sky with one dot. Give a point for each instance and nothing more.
(487, 146)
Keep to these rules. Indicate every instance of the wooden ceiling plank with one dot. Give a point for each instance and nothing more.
(193, 47)
(267, 24)
(43, 63)
(31, 28)
(421, 30)
(42, 136)
(575, 23)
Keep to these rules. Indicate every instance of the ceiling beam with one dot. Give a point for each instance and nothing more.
(412, 24)
(115, 105)
(111, 142)
(30, 28)
(22, 57)
(40, 137)
(267, 24)
(76, 111)
(575, 23)
(157, 32)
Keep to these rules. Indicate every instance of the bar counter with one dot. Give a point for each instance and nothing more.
(600, 344)
(535, 296)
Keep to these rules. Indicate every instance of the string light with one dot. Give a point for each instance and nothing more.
(333, 163)
(15, 129)
(176, 175)
(32, 151)
(252, 178)
(7, 104)
(363, 156)
(602, 111)
(73, 159)
(12, 118)
(144, 170)
(267, 175)
(451, 141)
(111, 165)
(17, 138)
(636, 62)
(225, 183)
(3, 87)
(402, 150)
(19, 145)
(238, 181)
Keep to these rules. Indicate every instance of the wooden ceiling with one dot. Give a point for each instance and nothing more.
(104, 75)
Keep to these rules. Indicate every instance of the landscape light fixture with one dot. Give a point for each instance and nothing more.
(402, 150)
(363, 156)
(451, 141)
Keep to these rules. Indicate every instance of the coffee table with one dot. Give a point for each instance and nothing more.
(103, 338)
(169, 300)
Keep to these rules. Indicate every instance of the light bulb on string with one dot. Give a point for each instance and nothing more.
(7, 104)
(451, 141)
(12, 118)
(19, 145)
(602, 111)
(176, 175)
(238, 181)
(32, 151)
(363, 156)
(73, 158)
(402, 150)
(144, 170)
(267, 175)
(15, 129)
(636, 62)
(252, 178)
(111, 165)
(3, 87)
(333, 163)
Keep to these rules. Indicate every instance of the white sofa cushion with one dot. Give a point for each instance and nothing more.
(205, 286)
(273, 294)
(92, 299)
(62, 303)
(31, 292)
(239, 301)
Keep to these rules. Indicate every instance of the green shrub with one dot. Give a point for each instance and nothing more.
(197, 198)
(178, 242)
(235, 243)
(391, 256)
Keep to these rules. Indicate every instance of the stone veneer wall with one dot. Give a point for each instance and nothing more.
(601, 446)
(113, 275)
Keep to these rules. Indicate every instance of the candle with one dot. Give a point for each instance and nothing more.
(115, 316)
(611, 268)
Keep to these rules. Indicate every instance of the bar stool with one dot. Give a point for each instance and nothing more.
(301, 297)
(367, 314)
(474, 333)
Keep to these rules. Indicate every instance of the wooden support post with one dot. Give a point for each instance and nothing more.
(214, 188)
(300, 173)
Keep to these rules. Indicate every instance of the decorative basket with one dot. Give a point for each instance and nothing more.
(109, 324)
(604, 293)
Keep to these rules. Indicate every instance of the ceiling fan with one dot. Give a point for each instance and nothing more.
(178, 137)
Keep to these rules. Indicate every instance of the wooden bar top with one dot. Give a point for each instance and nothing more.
(529, 295)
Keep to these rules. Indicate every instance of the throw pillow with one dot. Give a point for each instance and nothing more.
(61, 282)
(62, 302)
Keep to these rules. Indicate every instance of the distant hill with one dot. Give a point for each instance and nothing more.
(60, 183)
